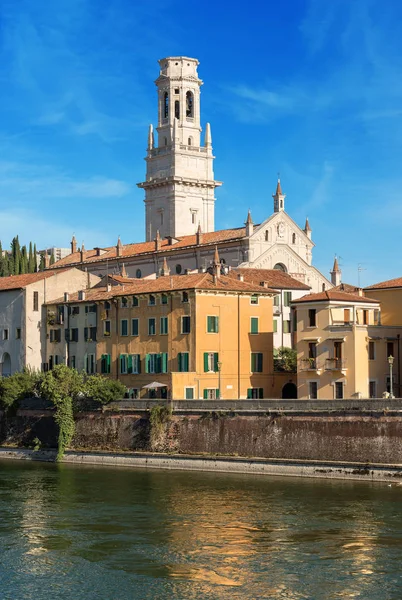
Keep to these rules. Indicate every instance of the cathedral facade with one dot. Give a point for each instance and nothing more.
(179, 201)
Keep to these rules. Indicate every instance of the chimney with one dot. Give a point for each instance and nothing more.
(66, 296)
(81, 295)
(73, 245)
(109, 287)
(360, 292)
(157, 241)
(82, 257)
(88, 278)
(119, 247)
(240, 277)
(216, 265)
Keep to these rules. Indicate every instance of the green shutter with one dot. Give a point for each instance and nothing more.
(108, 363)
(147, 363)
(209, 324)
(249, 393)
(216, 360)
(217, 394)
(275, 328)
(130, 363)
(186, 362)
(179, 362)
(205, 362)
(139, 363)
(205, 394)
(164, 362)
(254, 325)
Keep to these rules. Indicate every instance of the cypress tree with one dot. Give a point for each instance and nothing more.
(35, 260)
(52, 259)
(42, 262)
(11, 269)
(16, 252)
(23, 260)
(31, 265)
(1, 260)
(6, 265)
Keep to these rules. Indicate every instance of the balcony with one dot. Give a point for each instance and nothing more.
(335, 364)
(308, 364)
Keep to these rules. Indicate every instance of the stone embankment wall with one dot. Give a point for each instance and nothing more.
(366, 433)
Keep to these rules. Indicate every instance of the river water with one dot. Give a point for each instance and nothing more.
(82, 533)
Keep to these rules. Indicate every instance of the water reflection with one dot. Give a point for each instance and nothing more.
(101, 533)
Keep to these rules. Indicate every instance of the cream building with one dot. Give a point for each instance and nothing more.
(22, 320)
(179, 202)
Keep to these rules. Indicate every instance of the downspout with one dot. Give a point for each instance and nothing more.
(238, 346)
(281, 308)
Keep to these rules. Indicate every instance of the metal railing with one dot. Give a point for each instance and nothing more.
(308, 364)
(335, 364)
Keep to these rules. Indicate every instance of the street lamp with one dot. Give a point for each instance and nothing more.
(390, 362)
(219, 378)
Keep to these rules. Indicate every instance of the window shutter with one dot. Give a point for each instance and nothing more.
(121, 363)
(186, 362)
(216, 359)
(217, 394)
(108, 363)
(261, 393)
(252, 362)
(205, 394)
(130, 363)
(206, 362)
(139, 363)
(85, 332)
(249, 393)
(147, 363)
(254, 325)
(164, 362)
(260, 362)
(51, 335)
(209, 324)
(179, 362)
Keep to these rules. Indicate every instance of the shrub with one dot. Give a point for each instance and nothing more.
(20, 385)
(104, 390)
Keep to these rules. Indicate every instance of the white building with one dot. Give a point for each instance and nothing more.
(22, 330)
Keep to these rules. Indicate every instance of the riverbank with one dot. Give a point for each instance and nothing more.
(224, 464)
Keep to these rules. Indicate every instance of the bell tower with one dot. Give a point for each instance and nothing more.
(179, 186)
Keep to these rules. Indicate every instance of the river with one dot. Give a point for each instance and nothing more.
(86, 533)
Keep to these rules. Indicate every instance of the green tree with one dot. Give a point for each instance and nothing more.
(35, 260)
(285, 359)
(52, 259)
(23, 260)
(104, 390)
(42, 262)
(1, 260)
(16, 253)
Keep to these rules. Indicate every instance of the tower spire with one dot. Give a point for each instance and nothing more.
(336, 273)
(279, 198)
(307, 229)
(249, 224)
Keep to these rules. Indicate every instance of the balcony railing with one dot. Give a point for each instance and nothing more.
(335, 364)
(308, 364)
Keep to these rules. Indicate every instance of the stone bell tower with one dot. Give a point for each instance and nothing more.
(179, 186)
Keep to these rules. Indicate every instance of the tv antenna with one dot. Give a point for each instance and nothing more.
(360, 268)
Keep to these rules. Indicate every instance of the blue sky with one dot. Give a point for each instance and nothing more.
(308, 88)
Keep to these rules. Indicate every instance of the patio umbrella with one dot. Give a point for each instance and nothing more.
(153, 386)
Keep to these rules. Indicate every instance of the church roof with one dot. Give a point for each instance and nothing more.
(389, 284)
(334, 295)
(272, 277)
(144, 248)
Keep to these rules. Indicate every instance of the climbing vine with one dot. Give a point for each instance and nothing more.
(159, 418)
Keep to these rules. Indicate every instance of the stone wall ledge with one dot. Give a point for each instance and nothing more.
(392, 474)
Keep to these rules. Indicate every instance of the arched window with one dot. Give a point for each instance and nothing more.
(165, 105)
(184, 297)
(267, 235)
(106, 305)
(280, 267)
(177, 109)
(138, 273)
(152, 300)
(293, 238)
(189, 105)
(190, 141)
(323, 287)
(178, 269)
(6, 365)
(165, 141)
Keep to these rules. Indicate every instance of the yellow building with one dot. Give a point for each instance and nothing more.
(196, 336)
(335, 336)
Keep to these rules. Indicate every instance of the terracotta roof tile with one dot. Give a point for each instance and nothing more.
(272, 277)
(130, 250)
(16, 282)
(335, 296)
(390, 283)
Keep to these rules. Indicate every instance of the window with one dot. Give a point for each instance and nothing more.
(256, 362)
(286, 327)
(90, 363)
(123, 364)
(71, 362)
(312, 317)
(185, 324)
(105, 363)
(58, 360)
(164, 326)
(177, 109)
(184, 297)
(211, 394)
(75, 310)
(152, 326)
(106, 305)
(90, 308)
(106, 328)
(293, 238)
(151, 300)
(183, 362)
(54, 335)
(346, 316)
(178, 269)
(266, 235)
(124, 327)
(287, 298)
(372, 389)
(276, 300)
(212, 324)
(138, 273)
(74, 334)
(189, 393)
(365, 317)
(60, 314)
(176, 91)
(189, 105)
(51, 362)
(254, 325)
(254, 299)
(90, 334)
(18, 333)
(371, 351)
(190, 143)
(134, 327)
(313, 390)
(338, 390)
(165, 105)
(390, 349)
(135, 301)
(164, 299)
(255, 393)
(36, 301)
(124, 302)
(312, 355)
(156, 363)
(211, 360)
(134, 364)
(275, 325)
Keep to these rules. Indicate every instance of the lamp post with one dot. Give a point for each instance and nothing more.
(219, 378)
(390, 362)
